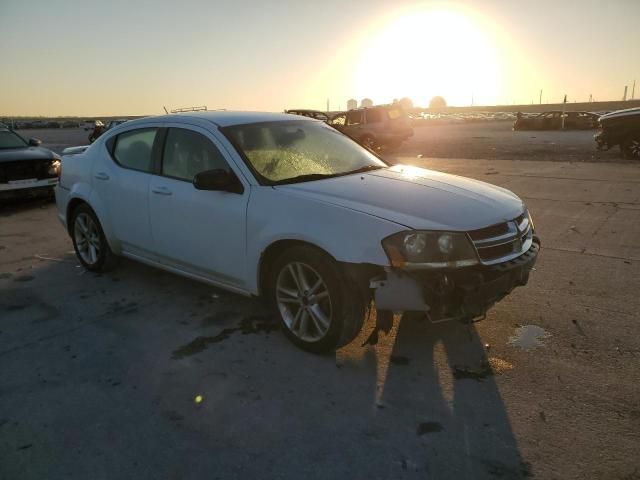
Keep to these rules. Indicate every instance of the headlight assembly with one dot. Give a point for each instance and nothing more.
(428, 249)
(54, 168)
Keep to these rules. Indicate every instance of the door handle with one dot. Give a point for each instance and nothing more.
(101, 176)
(161, 190)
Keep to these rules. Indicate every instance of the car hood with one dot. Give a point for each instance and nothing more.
(26, 153)
(416, 198)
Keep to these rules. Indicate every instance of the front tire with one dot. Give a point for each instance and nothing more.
(89, 242)
(320, 308)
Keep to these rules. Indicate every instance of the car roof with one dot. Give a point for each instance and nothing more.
(621, 113)
(226, 118)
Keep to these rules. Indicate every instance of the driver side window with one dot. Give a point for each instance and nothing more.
(187, 153)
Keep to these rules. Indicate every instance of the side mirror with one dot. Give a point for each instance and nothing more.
(34, 142)
(219, 180)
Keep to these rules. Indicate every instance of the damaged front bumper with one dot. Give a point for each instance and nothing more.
(463, 293)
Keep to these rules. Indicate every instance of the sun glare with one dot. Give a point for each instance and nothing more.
(429, 52)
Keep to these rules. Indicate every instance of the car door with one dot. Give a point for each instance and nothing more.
(354, 125)
(121, 186)
(198, 231)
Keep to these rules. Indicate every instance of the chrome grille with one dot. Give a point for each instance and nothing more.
(23, 170)
(503, 241)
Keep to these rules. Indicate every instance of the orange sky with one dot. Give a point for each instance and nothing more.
(130, 58)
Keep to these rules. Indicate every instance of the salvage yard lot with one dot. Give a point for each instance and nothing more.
(143, 374)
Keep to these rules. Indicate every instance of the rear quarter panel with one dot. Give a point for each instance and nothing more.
(75, 181)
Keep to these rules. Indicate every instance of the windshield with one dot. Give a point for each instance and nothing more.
(295, 151)
(9, 139)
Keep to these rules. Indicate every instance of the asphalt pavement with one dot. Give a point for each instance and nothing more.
(143, 374)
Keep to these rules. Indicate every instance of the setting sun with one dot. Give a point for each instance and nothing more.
(427, 52)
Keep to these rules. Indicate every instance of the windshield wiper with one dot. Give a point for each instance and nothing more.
(305, 178)
(308, 177)
(366, 168)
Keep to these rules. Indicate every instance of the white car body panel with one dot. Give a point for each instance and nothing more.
(277, 213)
(418, 198)
(220, 237)
(211, 240)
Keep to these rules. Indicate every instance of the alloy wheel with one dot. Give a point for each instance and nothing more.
(634, 148)
(304, 301)
(87, 237)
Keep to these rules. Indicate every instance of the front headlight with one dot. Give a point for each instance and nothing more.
(420, 249)
(54, 168)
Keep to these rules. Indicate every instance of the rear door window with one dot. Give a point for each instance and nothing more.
(187, 153)
(133, 149)
(354, 117)
(375, 115)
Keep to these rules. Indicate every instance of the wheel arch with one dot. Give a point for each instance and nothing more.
(360, 273)
(71, 207)
(273, 251)
(77, 201)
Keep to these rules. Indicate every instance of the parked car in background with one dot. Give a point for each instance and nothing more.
(317, 114)
(70, 124)
(89, 125)
(375, 127)
(553, 121)
(25, 166)
(38, 124)
(98, 129)
(115, 123)
(621, 128)
(289, 208)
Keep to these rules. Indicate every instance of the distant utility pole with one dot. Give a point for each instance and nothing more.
(590, 97)
(624, 97)
(564, 104)
(633, 91)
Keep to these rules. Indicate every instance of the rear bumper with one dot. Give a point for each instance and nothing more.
(462, 293)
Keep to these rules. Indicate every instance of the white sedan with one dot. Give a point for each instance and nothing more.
(289, 208)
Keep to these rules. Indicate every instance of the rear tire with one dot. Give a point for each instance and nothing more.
(631, 147)
(320, 307)
(89, 241)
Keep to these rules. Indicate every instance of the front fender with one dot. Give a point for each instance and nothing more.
(347, 235)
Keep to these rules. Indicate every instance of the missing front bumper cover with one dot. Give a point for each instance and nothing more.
(462, 293)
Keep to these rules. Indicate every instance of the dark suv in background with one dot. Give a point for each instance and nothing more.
(375, 127)
(25, 166)
(621, 128)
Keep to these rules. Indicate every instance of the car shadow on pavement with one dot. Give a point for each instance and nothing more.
(102, 350)
(12, 205)
(443, 376)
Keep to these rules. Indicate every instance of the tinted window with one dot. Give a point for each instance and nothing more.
(374, 115)
(133, 149)
(187, 153)
(354, 117)
(10, 140)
